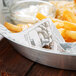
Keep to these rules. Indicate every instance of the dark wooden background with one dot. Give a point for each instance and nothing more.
(14, 64)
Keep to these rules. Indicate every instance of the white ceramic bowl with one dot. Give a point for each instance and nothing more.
(49, 58)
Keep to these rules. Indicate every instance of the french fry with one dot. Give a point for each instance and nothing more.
(59, 25)
(64, 24)
(71, 34)
(69, 16)
(40, 16)
(69, 26)
(70, 40)
(13, 28)
(65, 35)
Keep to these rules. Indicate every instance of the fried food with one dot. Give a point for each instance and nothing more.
(65, 20)
(69, 16)
(59, 23)
(62, 5)
(14, 28)
(40, 16)
(64, 24)
(69, 26)
(71, 34)
(67, 29)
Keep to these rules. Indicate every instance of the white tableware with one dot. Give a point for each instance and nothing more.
(44, 56)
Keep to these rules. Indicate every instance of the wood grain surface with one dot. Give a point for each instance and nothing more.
(11, 61)
(41, 70)
(14, 64)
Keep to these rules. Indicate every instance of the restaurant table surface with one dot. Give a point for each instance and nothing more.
(13, 63)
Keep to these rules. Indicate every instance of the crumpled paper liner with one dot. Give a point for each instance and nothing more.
(40, 34)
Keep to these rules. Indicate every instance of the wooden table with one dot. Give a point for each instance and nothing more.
(14, 64)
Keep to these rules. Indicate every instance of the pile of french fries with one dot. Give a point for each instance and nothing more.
(65, 21)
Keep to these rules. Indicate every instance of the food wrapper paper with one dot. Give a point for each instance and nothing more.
(42, 33)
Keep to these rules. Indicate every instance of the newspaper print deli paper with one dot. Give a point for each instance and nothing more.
(40, 34)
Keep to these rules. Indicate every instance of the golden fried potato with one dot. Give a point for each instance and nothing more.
(65, 35)
(62, 5)
(59, 25)
(40, 16)
(69, 26)
(69, 16)
(64, 24)
(71, 34)
(70, 40)
(13, 28)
